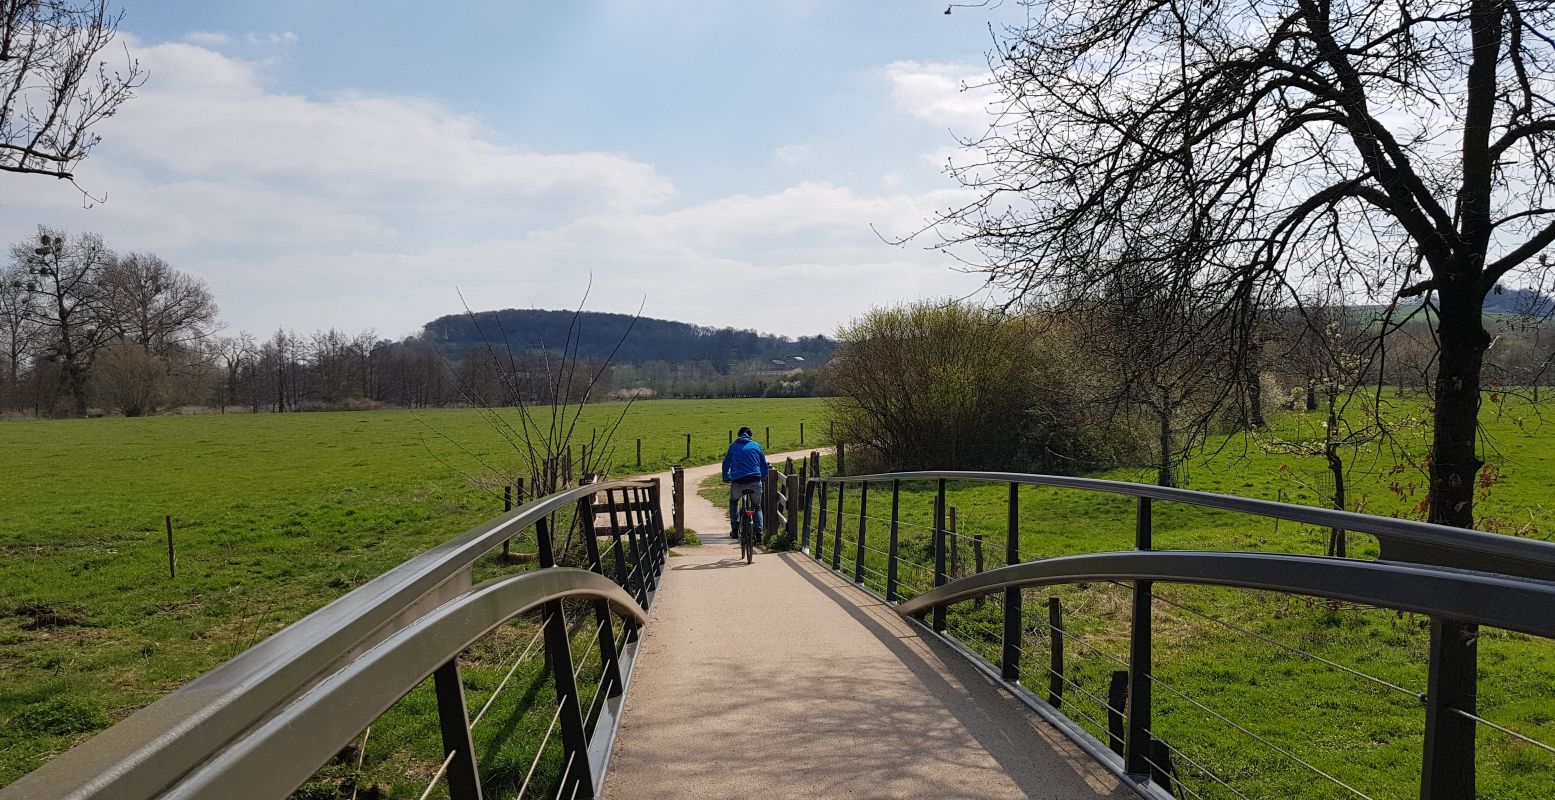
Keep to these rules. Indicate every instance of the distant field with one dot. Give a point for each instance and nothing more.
(274, 515)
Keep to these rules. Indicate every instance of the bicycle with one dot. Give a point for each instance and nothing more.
(748, 525)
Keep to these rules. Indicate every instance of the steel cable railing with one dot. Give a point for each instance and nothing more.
(1423, 572)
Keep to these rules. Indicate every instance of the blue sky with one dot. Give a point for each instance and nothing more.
(321, 165)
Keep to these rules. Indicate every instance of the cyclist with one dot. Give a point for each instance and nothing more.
(745, 467)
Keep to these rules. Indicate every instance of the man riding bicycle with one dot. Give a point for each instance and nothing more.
(745, 467)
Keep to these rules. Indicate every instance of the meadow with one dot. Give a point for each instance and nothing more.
(273, 515)
(1227, 658)
(276, 514)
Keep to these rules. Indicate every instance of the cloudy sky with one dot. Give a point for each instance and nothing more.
(324, 165)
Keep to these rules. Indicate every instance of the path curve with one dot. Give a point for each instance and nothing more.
(781, 679)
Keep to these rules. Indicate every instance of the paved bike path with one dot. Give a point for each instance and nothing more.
(780, 679)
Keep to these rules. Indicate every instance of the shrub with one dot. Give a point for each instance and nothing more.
(947, 385)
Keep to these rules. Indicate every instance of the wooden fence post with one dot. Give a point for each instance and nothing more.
(955, 545)
(172, 555)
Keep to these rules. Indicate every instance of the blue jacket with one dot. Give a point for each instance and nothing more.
(744, 460)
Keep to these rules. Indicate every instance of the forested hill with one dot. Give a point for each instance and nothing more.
(531, 329)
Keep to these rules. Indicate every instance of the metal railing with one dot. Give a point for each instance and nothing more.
(1458, 579)
(262, 723)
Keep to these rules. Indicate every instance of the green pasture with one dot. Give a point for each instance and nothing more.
(1358, 731)
(273, 516)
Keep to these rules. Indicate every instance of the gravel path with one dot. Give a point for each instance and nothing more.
(780, 679)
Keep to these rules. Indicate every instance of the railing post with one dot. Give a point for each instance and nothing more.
(641, 521)
(953, 543)
(769, 502)
(453, 716)
(507, 505)
(1137, 747)
(1447, 770)
(820, 526)
(638, 587)
(792, 528)
(863, 523)
(836, 550)
(804, 531)
(891, 575)
(558, 649)
(939, 553)
(1055, 626)
(1117, 701)
(610, 668)
(623, 572)
(1009, 669)
(655, 513)
(678, 497)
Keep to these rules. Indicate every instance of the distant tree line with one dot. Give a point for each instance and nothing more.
(599, 335)
(84, 328)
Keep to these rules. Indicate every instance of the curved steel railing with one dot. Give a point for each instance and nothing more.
(277, 756)
(1517, 604)
(1458, 578)
(151, 751)
(1408, 540)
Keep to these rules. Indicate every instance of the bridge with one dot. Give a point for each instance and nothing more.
(858, 665)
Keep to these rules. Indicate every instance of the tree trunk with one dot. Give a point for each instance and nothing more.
(1253, 420)
(1454, 461)
(1311, 396)
(1336, 468)
(1165, 475)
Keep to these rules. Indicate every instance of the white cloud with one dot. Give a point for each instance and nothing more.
(951, 95)
(367, 210)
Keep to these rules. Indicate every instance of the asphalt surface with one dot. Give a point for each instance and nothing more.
(781, 679)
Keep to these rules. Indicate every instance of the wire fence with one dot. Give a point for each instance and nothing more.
(1286, 646)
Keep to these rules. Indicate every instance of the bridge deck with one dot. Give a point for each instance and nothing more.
(780, 679)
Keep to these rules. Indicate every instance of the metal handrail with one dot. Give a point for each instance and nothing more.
(1518, 604)
(1459, 579)
(277, 756)
(1487, 551)
(139, 756)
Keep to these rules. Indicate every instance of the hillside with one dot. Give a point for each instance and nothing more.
(598, 334)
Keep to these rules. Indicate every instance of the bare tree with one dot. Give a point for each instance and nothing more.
(235, 353)
(1394, 149)
(20, 332)
(158, 307)
(1338, 353)
(69, 298)
(1160, 355)
(53, 87)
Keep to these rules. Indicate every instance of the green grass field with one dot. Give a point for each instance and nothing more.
(274, 515)
(1357, 730)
